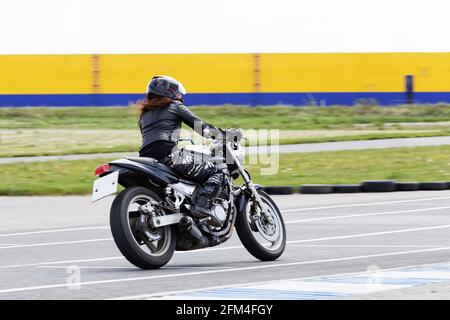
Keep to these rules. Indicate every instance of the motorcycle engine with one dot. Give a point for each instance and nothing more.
(219, 211)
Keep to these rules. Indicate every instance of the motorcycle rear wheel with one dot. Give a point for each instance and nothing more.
(136, 247)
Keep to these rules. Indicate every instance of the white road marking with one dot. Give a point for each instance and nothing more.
(366, 215)
(224, 248)
(283, 211)
(150, 295)
(60, 262)
(52, 231)
(86, 267)
(133, 268)
(288, 243)
(361, 246)
(110, 258)
(259, 267)
(372, 234)
(363, 204)
(54, 243)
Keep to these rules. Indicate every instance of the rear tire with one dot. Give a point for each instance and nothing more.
(127, 238)
(248, 236)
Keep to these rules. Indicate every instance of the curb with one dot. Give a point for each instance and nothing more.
(279, 190)
(378, 186)
(438, 185)
(407, 186)
(316, 188)
(347, 188)
(364, 186)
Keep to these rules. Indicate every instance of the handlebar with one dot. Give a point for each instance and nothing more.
(231, 134)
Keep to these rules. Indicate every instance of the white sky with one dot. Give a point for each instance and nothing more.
(204, 26)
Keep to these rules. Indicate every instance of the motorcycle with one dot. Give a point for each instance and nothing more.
(151, 217)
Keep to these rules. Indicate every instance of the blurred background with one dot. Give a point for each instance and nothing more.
(321, 71)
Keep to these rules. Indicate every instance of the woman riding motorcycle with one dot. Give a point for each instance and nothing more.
(160, 116)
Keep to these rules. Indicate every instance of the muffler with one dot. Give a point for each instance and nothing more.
(187, 224)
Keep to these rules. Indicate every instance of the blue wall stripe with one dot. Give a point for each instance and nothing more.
(321, 98)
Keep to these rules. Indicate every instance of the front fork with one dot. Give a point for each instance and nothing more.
(249, 184)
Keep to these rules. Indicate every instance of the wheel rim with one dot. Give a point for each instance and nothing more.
(147, 246)
(268, 235)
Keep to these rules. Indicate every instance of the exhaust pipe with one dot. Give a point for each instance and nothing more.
(187, 224)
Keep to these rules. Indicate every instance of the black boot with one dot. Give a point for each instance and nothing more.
(204, 197)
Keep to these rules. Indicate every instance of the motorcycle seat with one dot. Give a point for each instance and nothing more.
(153, 163)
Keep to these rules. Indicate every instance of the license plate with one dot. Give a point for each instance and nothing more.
(105, 186)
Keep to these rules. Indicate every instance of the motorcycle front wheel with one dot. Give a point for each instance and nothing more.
(264, 240)
(132, 234)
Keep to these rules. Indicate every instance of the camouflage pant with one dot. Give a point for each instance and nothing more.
(195, 167)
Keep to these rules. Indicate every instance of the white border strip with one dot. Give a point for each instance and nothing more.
(150, 295)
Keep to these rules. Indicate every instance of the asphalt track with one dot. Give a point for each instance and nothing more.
(61, 248)
(287, 148)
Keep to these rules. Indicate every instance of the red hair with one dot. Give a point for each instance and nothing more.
(152, 101)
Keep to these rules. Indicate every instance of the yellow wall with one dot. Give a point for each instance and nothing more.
(345, 72)
(226, 73)
(199, 73)
(45, 74)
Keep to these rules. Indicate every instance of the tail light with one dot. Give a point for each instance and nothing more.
(104, 168)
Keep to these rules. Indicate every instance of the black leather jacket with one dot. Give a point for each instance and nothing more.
(164, 123)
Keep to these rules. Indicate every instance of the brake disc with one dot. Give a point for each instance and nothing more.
(269, 231)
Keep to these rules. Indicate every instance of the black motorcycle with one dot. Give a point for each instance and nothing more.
(151, 217)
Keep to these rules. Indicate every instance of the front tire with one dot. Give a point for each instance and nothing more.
(131, 241)
(254, 236)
